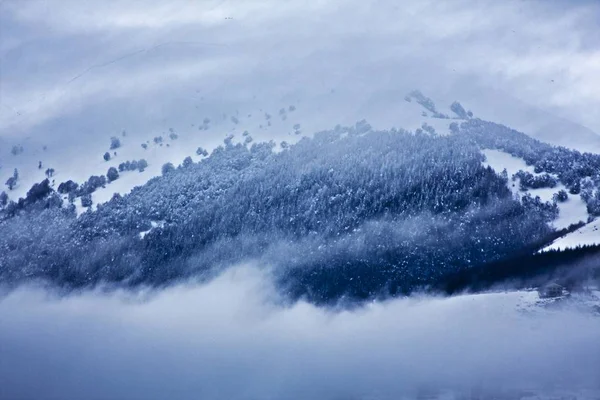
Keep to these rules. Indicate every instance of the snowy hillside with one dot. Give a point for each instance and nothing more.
(280, 122)
(88, 159)
(584, 236)
(285, 123)
(530, 303)
(572, 211)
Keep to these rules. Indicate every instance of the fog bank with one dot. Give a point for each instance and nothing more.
(232, 339)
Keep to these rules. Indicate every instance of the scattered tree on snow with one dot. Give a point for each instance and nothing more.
(112, 174)
(115, 143)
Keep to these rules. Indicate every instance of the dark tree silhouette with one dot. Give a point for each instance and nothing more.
(86, 200)
(112, 174)
(167, 168)
(115, 143)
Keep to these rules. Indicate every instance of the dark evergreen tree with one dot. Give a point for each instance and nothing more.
(142, 165)
(16, 149)
(112, 174)
(86, 200)
(458, 109)
(3, 199)
(11, 183)
(167, 168)
(115, 143)
(561, 196)
(38, 192)
(187, 162)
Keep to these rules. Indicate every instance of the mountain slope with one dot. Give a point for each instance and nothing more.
(357, 211)
(351, 199)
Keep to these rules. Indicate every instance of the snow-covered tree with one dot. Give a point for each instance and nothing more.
(112, 174)
(115, 143)
(167, 168)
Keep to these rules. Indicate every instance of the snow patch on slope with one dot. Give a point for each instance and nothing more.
(572, 211)
(154, 224)
(585, 236)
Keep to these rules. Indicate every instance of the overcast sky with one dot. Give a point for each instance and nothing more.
(68, 61)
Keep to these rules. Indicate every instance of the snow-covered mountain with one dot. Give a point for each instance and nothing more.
(79, 158)
(332, 199)
(454, 193)
(77, 153)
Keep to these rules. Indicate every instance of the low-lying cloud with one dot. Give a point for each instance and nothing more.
(233, 339)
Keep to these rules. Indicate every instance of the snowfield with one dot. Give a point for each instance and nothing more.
(528, 303)
(572, 211)
(588, 234)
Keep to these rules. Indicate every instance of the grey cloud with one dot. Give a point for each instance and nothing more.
(230, 339)
(521, 46)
